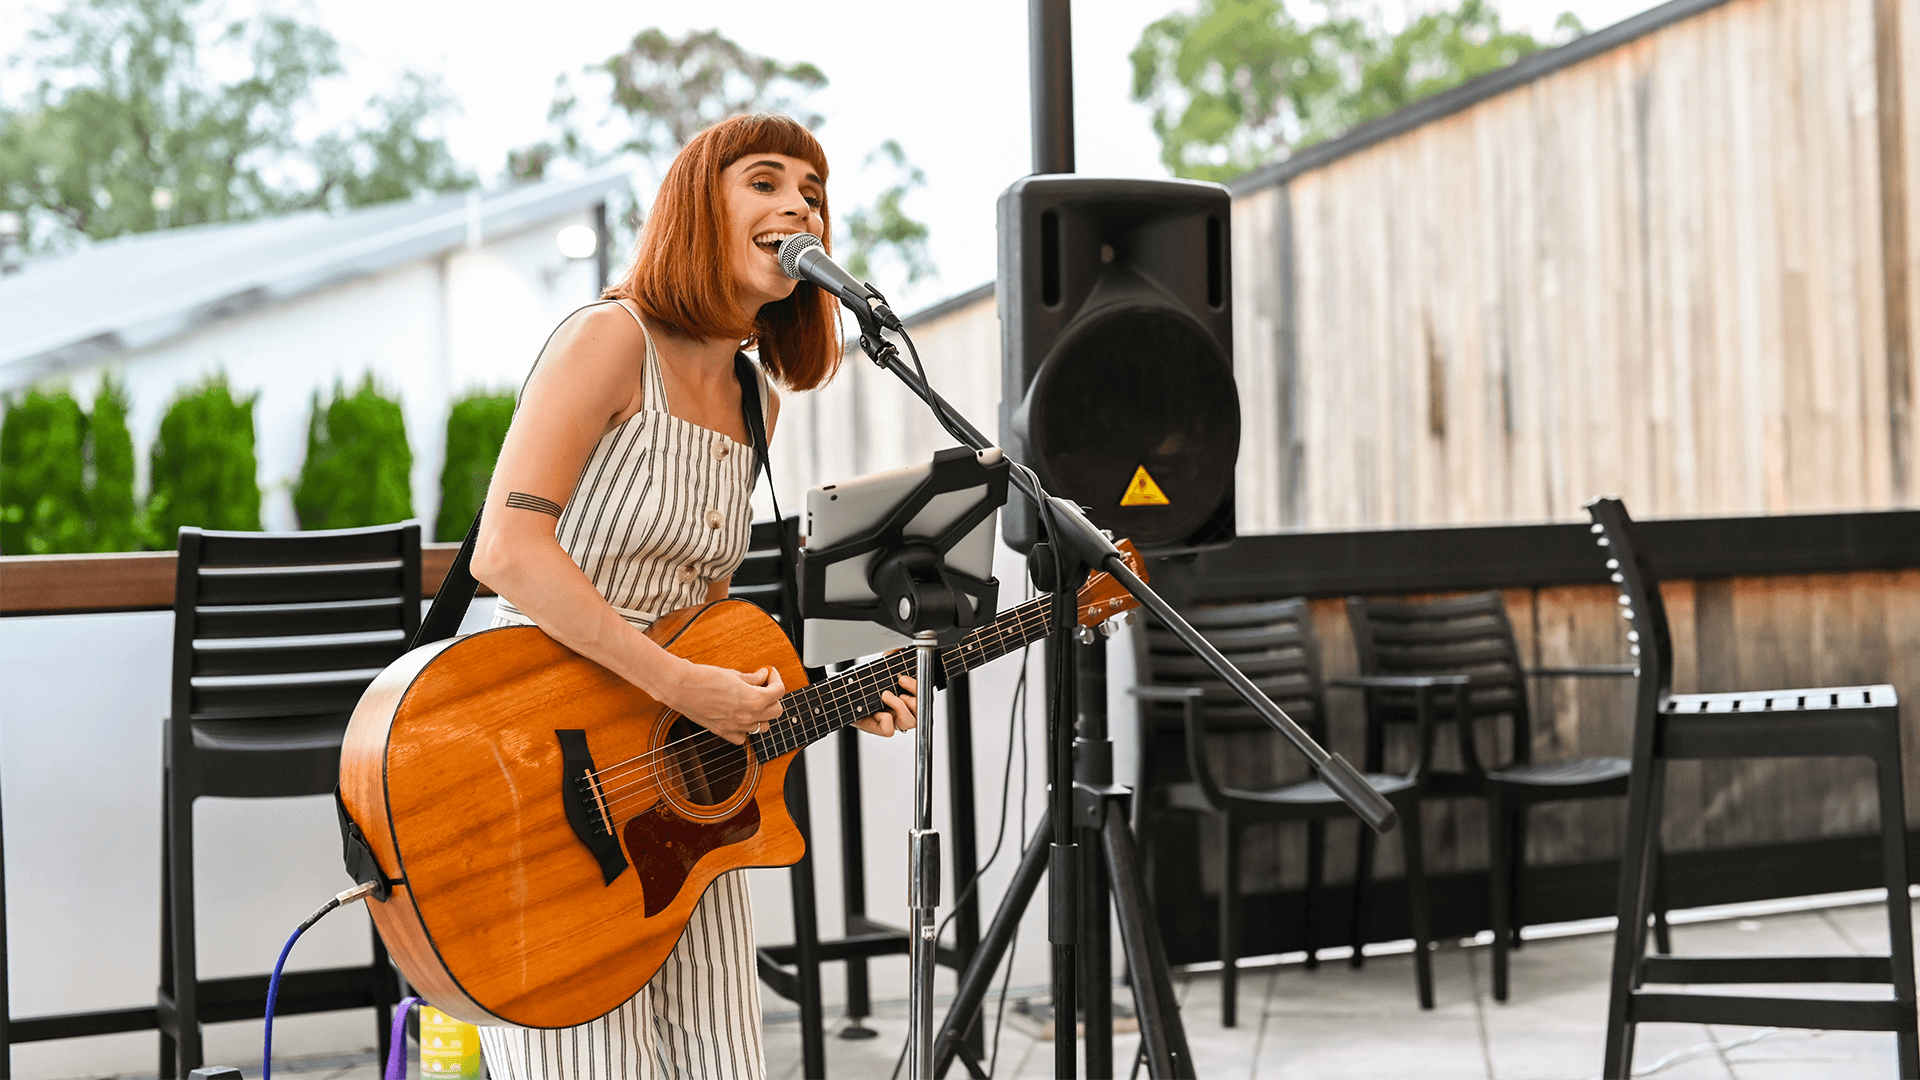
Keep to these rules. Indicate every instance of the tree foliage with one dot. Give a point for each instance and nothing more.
(66, 478)
(884, 228)
(476, 429)
(358, 469)
(113, 523)
(204, 471)
(42, 484)
(128, 129)
(1240, 83)
(662, 91)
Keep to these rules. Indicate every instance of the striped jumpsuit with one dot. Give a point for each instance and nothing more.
(660, 513)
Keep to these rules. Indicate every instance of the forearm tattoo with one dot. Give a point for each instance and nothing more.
(524, 501)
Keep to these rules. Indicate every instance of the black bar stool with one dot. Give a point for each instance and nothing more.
(1859, 721)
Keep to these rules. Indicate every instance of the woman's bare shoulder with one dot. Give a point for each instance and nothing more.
(595, 353)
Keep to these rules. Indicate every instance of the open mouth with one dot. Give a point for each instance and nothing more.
(770, 242)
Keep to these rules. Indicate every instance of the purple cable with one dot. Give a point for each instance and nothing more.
(397, 1045)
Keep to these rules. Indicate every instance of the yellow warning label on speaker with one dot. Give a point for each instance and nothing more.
(1143, 491)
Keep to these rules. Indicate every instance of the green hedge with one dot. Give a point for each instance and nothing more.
(358, 463)
(43, 495)
(114, 523)
(204, 469)
(66, 479)
(476, 427)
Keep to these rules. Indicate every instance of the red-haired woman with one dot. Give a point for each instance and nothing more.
(621, 495)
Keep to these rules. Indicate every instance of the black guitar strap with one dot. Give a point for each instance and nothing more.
(757, 431)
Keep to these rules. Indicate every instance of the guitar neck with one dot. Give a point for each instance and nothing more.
(813, 713)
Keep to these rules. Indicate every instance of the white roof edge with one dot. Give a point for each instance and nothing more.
(125, 329)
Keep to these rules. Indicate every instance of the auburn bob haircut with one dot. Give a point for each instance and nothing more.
(682, 271)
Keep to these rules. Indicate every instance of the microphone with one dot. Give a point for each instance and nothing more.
(803, 258)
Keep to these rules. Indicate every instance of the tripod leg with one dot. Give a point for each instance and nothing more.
(1162, 1037)
(978, 976)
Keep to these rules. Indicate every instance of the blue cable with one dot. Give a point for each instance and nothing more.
(358, 892)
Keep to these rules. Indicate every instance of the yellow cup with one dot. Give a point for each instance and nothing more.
(449, 1048)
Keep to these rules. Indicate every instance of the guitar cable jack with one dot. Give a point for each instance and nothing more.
(357, 893)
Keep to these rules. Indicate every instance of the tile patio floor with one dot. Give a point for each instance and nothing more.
(1341, 1024)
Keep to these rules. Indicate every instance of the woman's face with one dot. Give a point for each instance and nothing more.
(769, 197)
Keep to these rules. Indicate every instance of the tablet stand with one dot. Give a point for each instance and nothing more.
(914, 591)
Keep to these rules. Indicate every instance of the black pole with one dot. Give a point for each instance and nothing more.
(966, 919)
(1050, 59)
(1093, 773)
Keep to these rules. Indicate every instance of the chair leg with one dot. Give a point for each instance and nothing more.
(168, 1049)
(1633, 899)
(1229, 928)
(180, 899)
(1316, 870)
(1417, 903)
(1662, 933)
(1516, 863)
(1362, 878)
(1899, 909)
(381, 972)
(1499, 879)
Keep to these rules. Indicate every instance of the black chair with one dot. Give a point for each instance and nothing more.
(1861, 721)
(1472, 636)
(1273, 643)
(275, 636)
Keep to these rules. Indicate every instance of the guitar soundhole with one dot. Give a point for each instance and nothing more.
(706, 769)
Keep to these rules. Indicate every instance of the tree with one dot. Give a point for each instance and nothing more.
(1240, 83)
(42, 485)
(204, 471)
(112, 521)
(476, 429)
(358, 469)
(661, 92)
(884, 227)
(127, 129)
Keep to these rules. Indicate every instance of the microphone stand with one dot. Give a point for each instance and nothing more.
(1092, 802)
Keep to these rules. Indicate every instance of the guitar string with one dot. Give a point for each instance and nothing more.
(1018, 617)
(856, 697)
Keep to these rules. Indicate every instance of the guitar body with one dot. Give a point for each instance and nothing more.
(538, 890)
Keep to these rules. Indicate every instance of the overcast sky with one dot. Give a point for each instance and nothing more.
(948, 80)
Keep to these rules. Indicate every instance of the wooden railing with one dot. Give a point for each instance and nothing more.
(133, 581)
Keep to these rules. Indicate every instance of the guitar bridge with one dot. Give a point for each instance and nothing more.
(586, 810)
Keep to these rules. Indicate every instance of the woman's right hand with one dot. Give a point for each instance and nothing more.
(731, 704)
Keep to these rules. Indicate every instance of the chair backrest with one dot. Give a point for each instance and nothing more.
(273, 625)
(1649, 641)
(1462, 635)
(1271, 641)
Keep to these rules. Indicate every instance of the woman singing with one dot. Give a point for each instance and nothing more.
(621, 494)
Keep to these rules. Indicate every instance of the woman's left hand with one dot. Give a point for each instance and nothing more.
(902, 714)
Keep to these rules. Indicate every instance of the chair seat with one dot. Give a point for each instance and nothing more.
(1304, 793)
(1578, 772)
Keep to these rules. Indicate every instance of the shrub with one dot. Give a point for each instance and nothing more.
(358, 464)
(204, 469)
(42, 488)
(476, 427)
(108, 456)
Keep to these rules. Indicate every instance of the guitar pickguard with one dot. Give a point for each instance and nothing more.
(665, 846)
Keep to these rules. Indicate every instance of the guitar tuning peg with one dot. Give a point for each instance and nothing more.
(1083, 634)
(1110, 628)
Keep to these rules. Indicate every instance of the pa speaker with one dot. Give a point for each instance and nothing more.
(1116, 325)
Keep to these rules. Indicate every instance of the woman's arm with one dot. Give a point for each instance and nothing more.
(585, 383)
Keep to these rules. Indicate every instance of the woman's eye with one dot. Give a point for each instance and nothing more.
(762, 185)
(815, 201)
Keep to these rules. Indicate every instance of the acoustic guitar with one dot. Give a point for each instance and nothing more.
(547, 827)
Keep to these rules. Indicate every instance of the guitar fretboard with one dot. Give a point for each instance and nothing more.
(816, 711)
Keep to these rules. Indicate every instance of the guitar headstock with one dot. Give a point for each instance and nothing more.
(1101, 598)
